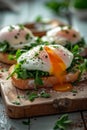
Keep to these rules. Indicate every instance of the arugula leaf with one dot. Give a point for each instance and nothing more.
(11, 28)
(74, 91)
(11, 57)
(26, 122)
(21, 26)
(18, 53)
(45, 94)
(38, 80)
(16, 102)
(4, 46)
(38, 18)
(62, 123)
(32, 96)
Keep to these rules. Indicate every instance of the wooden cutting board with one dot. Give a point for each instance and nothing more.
(59, 102)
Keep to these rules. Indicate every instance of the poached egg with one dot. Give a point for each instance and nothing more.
(17, 36)
(38, 58)
(62, 35)
(54, 59)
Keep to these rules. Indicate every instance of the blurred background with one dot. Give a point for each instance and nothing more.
(73, 12)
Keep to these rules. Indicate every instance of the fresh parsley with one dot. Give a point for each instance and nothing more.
(44, 94)
(38, 18)
(27, 36)
(62, 123)
(74, 91)
(21, 26)
(4, 46)
(38, 80)
(11, 28)
(26, 122)
(33, 95)
(16, 102)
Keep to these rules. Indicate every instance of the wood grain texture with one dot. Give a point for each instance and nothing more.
(41, 124)
(58, 102)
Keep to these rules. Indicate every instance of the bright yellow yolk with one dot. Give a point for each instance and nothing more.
(58, 70)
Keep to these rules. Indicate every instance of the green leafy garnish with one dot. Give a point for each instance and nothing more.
(45, 94)
(38, 80)
(21, 26)
(18, 53)
(16, 102)
(38, 18)
(26, 122)
(27, 36)
(74, 91)
(11, 57)
(4, 46)
(11, 28)
(79, 62)
(62, 123)
(32, 96)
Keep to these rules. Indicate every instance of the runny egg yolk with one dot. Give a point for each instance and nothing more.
(58, 70)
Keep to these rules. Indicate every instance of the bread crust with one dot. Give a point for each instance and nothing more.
(4, 59)
(48, 82)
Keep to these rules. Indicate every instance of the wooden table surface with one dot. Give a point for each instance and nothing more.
(27, 11)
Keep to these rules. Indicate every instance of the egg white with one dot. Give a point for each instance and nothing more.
(54, 35)
(38, 59)
(16, 37)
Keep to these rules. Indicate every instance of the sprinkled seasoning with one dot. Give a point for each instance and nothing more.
(21, 43)
(16, 37)
(66, 31)
(18, 33)
(74, 35)
(46, 56)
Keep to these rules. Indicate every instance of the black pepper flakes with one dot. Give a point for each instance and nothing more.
(18, 34)
(66, 31)
(46, 56)
(74, 35)
(21, 43)
(16, 37)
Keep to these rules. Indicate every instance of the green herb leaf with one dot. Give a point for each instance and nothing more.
(62, 123)
(18, 53)
(4, 46)
(16, 102)
(74, 91)
(26, 122)
(27, 36)
(38, 80)
(32, 96)
(11, 57)
(21, 26)
(11, 28)
(38, 18)
(44, 94)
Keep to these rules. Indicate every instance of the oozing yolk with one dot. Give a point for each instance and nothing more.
(58, 70)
